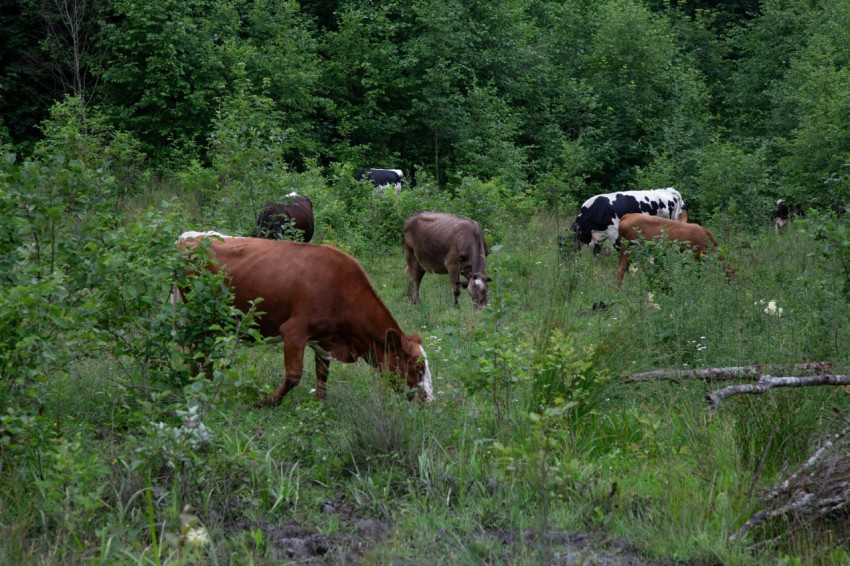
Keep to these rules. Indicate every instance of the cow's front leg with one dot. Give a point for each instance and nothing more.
(293, 353)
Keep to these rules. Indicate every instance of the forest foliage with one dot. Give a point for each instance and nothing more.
(736, 103)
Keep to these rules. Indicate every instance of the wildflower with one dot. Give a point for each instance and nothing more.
(197, 537)
(772, 309)
(650, 302)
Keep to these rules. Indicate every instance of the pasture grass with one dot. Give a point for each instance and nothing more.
(472, 478)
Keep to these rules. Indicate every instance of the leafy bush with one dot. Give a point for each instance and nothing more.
(731, 183)
(54, 213)
(70, 488)
(551, 368)
(74, 132)
(833, 234)
(658, 260)
(563, 371)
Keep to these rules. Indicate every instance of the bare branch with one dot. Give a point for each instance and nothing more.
(766, 383)
(816, 489)
(727, 373)
(72, 27)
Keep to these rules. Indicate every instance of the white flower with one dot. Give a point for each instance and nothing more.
(772, 309)
(650, 302)
(197, 537)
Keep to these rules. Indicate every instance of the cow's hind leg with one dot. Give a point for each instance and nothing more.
(454, 277)
(323, 360)
(416, 275)
(415, 270)
(293, 353)
(623, 263)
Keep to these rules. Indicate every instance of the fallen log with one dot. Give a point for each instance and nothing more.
(727, 373)
(766, 383)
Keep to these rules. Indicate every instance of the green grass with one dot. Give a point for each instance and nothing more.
(646, 463)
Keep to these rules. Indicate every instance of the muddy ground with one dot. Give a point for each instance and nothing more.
(358, 535)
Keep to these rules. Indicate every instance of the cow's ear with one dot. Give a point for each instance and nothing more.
(394, 338)
(413, 345)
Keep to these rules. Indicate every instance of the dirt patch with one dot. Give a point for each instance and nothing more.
(356, 535)
(290, 542)
(571, 548)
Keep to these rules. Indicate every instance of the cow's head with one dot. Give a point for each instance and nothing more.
(477, 287)
(406, 357)
(580, 236)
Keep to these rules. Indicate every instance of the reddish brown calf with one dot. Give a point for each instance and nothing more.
(634, 227)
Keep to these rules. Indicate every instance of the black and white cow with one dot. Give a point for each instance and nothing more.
(382, 178)
(599, 216)
(780, 215)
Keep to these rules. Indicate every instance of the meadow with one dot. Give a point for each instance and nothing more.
(123, 125)
(536, 451)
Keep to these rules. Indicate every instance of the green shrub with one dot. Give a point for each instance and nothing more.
(70, 489)
(833, 234)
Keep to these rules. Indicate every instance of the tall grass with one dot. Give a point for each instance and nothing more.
(455, 481)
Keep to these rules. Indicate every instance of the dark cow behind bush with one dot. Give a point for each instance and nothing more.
(291, 219)
(446, 243)
(382, 178)
(316, 296)
(599, 216)
(635, 227)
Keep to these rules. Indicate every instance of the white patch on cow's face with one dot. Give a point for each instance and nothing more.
(426, 379)
(479, 283)
(598, 236)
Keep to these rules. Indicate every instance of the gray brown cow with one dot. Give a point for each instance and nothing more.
(435, 242)
(634, 227)
(316, 296)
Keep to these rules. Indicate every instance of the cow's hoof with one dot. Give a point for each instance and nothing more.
(268, 402)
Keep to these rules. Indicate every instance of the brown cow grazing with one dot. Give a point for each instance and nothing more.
(317, 296)
(634, 227)
(291, 219)
(446, 243)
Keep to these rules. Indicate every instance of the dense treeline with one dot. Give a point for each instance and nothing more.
(735, 103)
